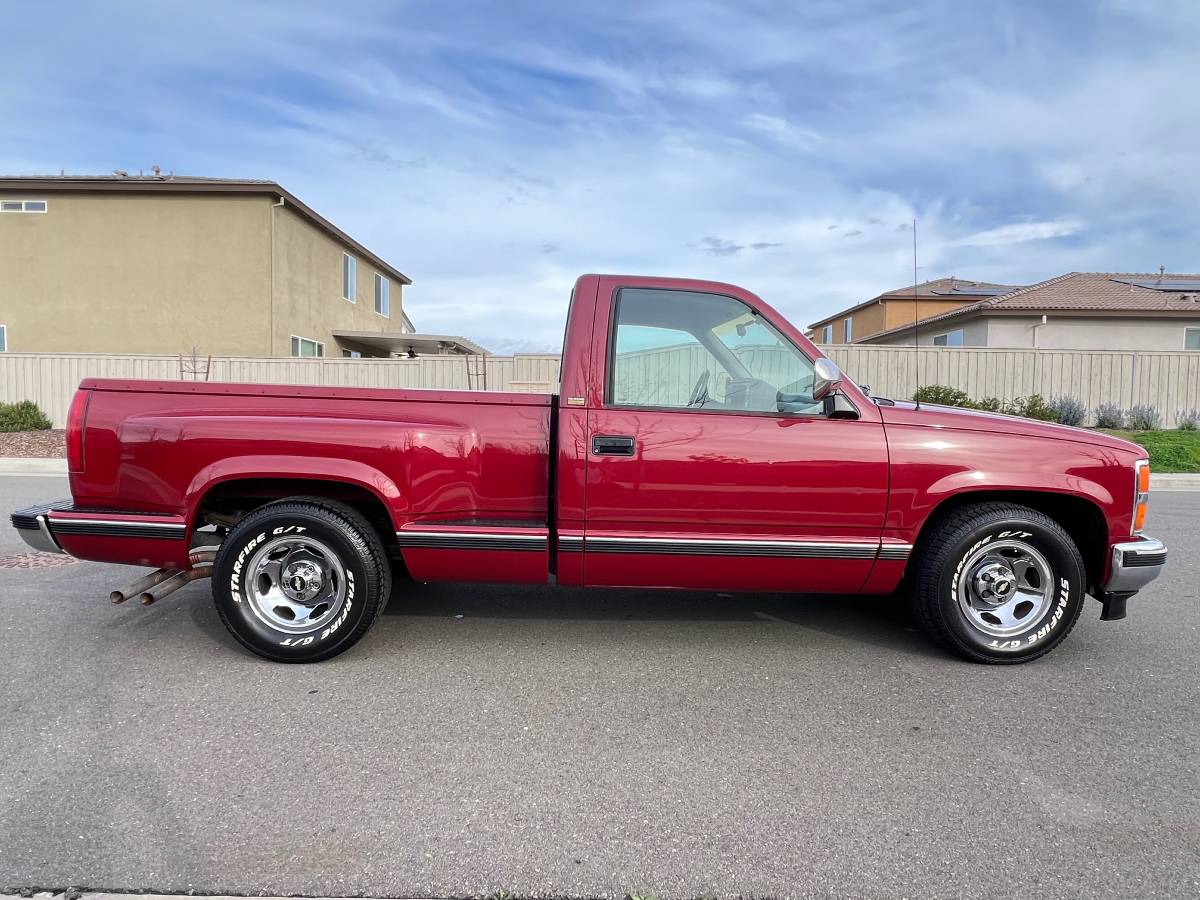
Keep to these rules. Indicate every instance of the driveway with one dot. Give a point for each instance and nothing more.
(572, 743)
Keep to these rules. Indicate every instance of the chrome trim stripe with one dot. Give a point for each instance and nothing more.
(471, 540)
(733, 547)
(153, 531)
(117, 523)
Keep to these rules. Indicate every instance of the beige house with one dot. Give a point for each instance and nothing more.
(895, 309)
(1076, 311)
(162, 265)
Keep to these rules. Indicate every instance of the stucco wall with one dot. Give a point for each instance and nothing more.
(1065, 333)
(1059, 333)
(308, 288)
(975, 334)
(136, 274)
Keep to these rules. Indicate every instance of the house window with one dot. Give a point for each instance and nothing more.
(306, 347)
(349, 278)
(3, 338)
(352, 354)
(949, 339)
(383, 299)
(29, 206)
(827, 334)
(848, 330)
(1191, 339)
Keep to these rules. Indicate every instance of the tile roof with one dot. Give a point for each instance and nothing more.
(1082, 292)
(937, 289)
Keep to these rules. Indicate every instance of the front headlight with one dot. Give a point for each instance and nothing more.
(1141, 494)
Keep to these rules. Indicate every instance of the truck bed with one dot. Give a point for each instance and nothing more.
(169, 448)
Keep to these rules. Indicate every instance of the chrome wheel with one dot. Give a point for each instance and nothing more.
(1004, 587)
(295, 584)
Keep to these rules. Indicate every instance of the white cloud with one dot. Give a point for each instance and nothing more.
(782, 131)
(652, 138)
(1021, 232)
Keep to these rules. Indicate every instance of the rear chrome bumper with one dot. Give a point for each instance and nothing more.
(1135, 564)
(33, 525)
(45, 527)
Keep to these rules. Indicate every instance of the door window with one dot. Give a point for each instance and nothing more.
(684, 350)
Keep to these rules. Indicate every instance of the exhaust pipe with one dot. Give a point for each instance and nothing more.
(176, 580)
(142, 584)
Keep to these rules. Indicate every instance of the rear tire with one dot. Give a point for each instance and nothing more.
(301, 580)
(998, 583)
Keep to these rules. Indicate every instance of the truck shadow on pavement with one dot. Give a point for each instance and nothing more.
(881, 621)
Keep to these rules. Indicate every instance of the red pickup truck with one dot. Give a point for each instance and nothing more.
(699, 442)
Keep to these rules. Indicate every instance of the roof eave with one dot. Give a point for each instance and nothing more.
(169, 185)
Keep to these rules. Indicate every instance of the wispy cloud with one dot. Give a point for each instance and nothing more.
(1021, 232)
(782, 131)
(494, 153)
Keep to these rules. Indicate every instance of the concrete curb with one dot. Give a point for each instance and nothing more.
(105, 895)
(1174, 482)
(20, 465)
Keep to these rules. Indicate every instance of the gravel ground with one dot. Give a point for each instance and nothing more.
(596, 743)
(37, 444)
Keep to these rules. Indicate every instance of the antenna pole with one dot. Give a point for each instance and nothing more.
(916, 318)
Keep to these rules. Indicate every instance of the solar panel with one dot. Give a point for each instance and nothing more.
(1163, 284)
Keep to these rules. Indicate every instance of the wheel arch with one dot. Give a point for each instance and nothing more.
(1080, 517)
(233, 497)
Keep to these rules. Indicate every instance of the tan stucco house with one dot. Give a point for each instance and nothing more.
(895, 309)
(162, 264)
(1076, 311)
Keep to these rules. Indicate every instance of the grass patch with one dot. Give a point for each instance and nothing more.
(1170, 451)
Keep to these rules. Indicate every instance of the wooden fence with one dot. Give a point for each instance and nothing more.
(1169, 380)
(50, 379)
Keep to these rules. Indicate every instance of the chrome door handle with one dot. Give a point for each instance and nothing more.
(612, 445)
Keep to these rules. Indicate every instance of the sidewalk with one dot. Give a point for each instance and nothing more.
(23, 465)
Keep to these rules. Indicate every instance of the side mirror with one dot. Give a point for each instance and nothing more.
(827, 379)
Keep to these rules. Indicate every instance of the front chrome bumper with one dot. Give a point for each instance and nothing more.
(1135, 564)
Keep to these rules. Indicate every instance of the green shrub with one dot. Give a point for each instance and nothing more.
(991, 404)
(1110, 415)
(942, 395)
(23, 416)
(1187, 419)
(1068, 410)
(1144, 417)
(1033, 407)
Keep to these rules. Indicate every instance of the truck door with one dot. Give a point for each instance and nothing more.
(709, 466)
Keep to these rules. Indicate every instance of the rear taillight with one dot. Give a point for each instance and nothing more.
(1141, 495)
(75, 419)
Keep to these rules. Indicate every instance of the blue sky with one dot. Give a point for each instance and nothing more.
(494, 151)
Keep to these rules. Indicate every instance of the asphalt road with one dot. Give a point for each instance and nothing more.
(596, 744)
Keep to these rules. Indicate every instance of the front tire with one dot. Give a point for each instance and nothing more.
(999, 583)
(301, 580)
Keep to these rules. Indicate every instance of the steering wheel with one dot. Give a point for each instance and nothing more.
(700, 389)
